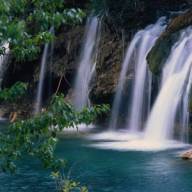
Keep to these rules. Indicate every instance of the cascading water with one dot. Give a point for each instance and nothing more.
(41, 79)
(122, 79)
(140, 45)
(135, 55)
(174, 92)
(176, 83)
(87, 63)
(3, 59)
(185, 111)
(141, 77)
(38, 101)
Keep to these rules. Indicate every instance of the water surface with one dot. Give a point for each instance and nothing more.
(106, 170)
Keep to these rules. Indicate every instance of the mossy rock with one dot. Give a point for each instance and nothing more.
(162, 48)
(190, 102)
(160, 52)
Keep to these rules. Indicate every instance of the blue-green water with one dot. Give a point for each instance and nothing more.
(107, 171)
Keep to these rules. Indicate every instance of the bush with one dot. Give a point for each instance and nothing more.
(38, 136)
(25, 24)
(14, 93)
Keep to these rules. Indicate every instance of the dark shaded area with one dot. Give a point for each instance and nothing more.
(136, 14)
(77, 3)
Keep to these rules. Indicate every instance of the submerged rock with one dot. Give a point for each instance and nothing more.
(159, 53)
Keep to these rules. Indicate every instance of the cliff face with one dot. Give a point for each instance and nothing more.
(135, 14)
(159, 53)
(117, 30)
(110, 56)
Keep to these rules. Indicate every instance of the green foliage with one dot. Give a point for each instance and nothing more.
(37, 136)
(14, 93)
(64, 184)
(25, 24)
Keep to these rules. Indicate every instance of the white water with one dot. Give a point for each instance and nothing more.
(137, 52)
(159, 133)
(138, 108)
(38, 101)
(122, 80)
(120, 135)
(81, 128)
(185, 111)
(3, 59)
(175, 82)
(87, 64)
(138, 145)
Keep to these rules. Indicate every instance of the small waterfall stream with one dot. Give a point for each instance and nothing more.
(87, 63)
(185, 112)
(41, 79)
(3, 59)
(122, 80)
(38, 100)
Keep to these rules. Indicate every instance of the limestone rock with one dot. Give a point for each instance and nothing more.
(187, 155)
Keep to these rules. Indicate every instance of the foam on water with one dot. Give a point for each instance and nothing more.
(113, 136)
(139, 145)
(80, 128)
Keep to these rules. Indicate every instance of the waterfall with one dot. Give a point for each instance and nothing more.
(122, 80)
(87, 63)
(185, 111)
(41, 79)
(138, 48)
(176, 83)
(141, 77)
(38, 101)
(171, 107)
(3, 59)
